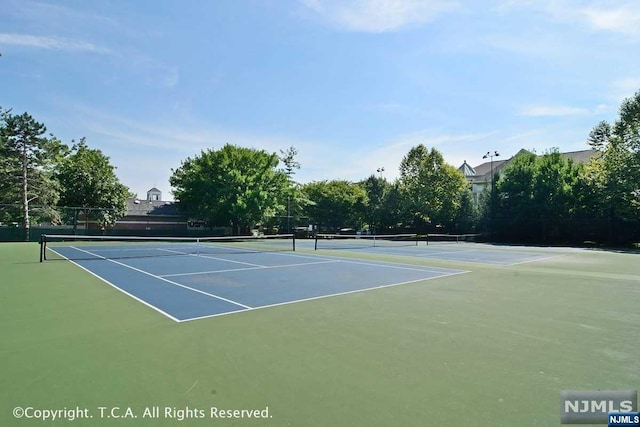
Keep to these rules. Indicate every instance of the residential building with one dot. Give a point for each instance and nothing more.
(479, 177)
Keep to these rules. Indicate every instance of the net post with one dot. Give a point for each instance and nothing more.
(315, 245)
(42, 240)
(417, 239)
(294, 241)
(426, 238)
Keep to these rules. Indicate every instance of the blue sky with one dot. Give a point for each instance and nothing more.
(353, 85)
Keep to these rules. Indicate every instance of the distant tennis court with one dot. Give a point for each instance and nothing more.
(442, 247)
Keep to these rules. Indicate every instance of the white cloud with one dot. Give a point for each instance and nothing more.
(379, 16)
(51, 43)
(619, 17)
(172, 78)
(153, 72)
(623, 19)
(563, 111)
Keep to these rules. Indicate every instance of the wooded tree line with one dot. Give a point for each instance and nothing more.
(549, 198)
(536, 198)
(41, 178)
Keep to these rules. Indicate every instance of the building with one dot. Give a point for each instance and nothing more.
(152, 215)
(479, 177)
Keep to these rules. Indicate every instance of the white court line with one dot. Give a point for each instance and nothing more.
(249, 268)
(166, 280)
(474, 260)
(534, 260)
(324, 296)
(388, 264)
(116, 287)
(212, 257)
(447, 252)
(396, 266)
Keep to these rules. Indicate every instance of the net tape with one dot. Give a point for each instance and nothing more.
(76, 247)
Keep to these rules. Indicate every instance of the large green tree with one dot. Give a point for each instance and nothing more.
(88, 181)
(336, 204)
(28, 157)
(233, 186)
(431, 188)
(377, 189)
(538, 197)
(615, 172)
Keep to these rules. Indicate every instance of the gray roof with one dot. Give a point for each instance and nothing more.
(466, 169)
(154, 190)
(485, 168)
(137, 207)
(583, 156)
(483, 171)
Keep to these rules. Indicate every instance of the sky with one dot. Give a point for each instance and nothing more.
(352, 85)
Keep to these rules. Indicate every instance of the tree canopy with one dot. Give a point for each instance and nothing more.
(536, 195)
(233, 186)
(615, 172)
(88, 180)
(337, 204)
(28, 157)
(431, 188)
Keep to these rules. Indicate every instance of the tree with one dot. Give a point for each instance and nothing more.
(288, 158)
(613, 175)
(337, 204)
(28, 158)
(555, 198)
(615, 172)
(233, 186)
(467, 214)
(538, 197)
(377, 189)
(431, 188)
(296, 200)
(88, 181)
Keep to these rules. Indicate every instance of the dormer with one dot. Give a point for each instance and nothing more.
(154, 195)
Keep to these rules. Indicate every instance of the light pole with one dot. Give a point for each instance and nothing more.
(490, 156)
(376, 215)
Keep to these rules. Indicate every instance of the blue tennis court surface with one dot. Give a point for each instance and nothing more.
(189, 286)
(463, 252)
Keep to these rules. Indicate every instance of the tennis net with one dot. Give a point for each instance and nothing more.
(341, 241)
(451, 238)
(75, 247)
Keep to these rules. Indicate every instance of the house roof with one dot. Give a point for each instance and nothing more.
(583, 156)
(483, 171)
(137, 207)
(154, 190)
(466, 169)
(485, 168)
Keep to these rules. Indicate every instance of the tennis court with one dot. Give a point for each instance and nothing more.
(187, 279)
(441, 247)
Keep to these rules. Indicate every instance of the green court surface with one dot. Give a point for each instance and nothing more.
(492, 347)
